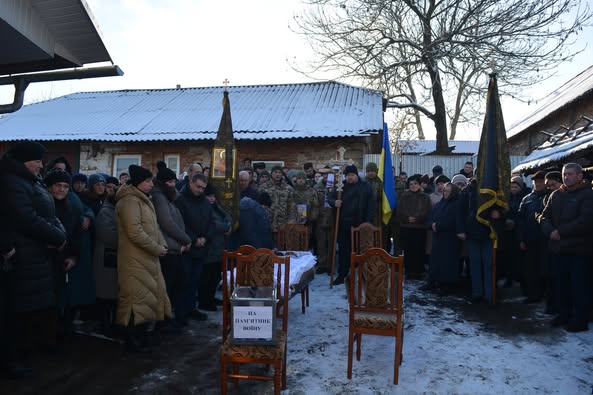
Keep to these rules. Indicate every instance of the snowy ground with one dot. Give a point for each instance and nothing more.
(450, 346)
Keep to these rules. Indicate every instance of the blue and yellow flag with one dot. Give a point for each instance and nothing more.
(386, 176)
(494, 165)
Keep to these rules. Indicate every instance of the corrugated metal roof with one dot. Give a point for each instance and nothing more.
(324, 109)
(560, 148)
(567, 93)
(422, 147)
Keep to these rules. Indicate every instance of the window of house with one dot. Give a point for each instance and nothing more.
(172, 162)
(271, 163)
(122, 162)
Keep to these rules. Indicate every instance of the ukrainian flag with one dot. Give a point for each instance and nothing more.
(386, 175)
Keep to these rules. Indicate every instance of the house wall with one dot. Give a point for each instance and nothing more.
(98, 156)
(526, 141)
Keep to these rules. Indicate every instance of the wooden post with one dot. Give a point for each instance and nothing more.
(338, 184)
(494, 247)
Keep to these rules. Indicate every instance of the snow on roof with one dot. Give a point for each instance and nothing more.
(562, 146)
(567, 93)
(423, 147)
(259, 112)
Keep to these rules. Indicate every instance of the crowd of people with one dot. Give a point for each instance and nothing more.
(140, 254)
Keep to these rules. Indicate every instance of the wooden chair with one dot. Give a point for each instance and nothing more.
(233, 274)
(294, 237)
(364, 237)
(263, 268)
(376, 302)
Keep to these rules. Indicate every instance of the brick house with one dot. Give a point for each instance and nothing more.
(561, 109)
(287, 124)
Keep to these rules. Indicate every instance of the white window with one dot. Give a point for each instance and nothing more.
(122, 162)
(172, 162)
(271, 163)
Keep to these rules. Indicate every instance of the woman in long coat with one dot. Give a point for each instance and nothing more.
(142, 292)
(446, 223)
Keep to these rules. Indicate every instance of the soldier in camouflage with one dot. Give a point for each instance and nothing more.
(306, 202)
(310, 173)
(325, 223)
(283, 209)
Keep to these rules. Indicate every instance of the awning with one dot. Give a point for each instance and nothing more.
(560, 148)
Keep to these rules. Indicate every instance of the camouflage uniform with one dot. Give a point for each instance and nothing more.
(306, 196)
(324, 229)
(377, 187)
(283, 210)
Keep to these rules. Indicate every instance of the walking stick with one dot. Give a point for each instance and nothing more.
(338, 183)
(494, 247)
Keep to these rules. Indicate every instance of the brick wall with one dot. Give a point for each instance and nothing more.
(98, 156)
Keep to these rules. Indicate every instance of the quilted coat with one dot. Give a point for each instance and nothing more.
(142, 290)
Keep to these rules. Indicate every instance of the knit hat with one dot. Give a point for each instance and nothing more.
(209, 190)
(111, 180)
(459, 178)
(438, 169)
(517, 180)
(350, 169)
(79, 177)
(276, 167)
(554, 175)
(300, 173)
(26, 151)
(372, 167)
(55, 176)
(138, 174)
(442, 178)
(307, 165)
(95, 178)
(539, 175)
(164, 174)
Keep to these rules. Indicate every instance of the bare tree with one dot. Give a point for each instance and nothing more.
(433, 56)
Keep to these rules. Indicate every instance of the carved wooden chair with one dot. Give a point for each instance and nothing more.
(233, 274)
(294, 237)
(376, 302)
(364, 237)
(263, 268)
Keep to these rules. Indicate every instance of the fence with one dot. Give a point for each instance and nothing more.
(423, 164)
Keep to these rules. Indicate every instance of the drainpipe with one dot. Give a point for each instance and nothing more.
(20, 85)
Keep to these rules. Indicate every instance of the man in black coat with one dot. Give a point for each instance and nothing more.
(531, 239)
(567, 222)
(357, 206)
(29, 209)
(197, 216)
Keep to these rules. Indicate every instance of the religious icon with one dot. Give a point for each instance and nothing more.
(219, 162)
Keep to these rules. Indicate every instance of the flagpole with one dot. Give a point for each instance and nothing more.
(494, 248)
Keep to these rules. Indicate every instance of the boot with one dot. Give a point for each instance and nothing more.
(136, 341)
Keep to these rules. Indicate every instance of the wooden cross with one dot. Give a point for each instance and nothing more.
(226, 83)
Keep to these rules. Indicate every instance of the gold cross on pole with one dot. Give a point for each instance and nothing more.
(229, 183)
(226, 83)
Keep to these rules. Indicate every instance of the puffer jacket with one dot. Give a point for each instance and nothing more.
(571, 213)
(31, 218)
(142, 291)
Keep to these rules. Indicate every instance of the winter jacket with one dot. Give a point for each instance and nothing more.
(446, 247)
(358, 205)
(571, 213)
(414, 204)
(528, 228)
(254, 225)
(142, 290)
(197, 216)
(170, 220)
(221, 224)
(105, 258)
(29, 211)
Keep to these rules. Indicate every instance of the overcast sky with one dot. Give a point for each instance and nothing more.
(160, 44)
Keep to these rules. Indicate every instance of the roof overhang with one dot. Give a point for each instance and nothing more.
(37, 36)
